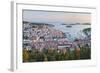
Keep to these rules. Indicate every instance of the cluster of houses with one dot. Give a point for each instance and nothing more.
(43, 36)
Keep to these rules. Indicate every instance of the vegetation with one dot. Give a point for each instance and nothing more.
(53, 55)
(87, 31)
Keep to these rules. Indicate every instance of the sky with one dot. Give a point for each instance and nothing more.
(52, 17)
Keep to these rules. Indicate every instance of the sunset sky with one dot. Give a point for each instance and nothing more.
(59, 17)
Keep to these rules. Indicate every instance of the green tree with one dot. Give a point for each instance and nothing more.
(25, 55)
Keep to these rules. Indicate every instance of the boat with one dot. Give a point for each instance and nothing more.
(68, 26)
